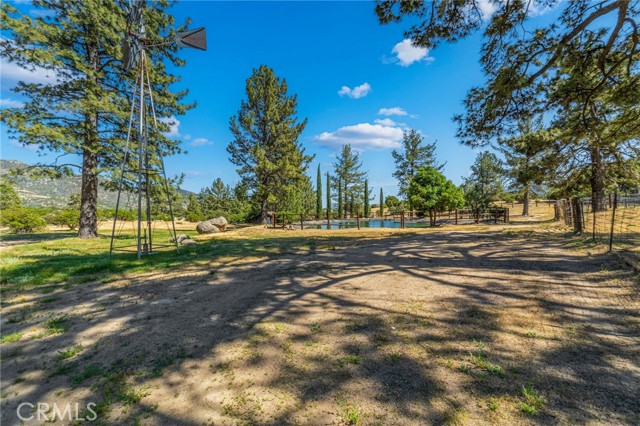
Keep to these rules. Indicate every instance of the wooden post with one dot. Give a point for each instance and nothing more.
(402, 220)
(593, 230)
(328, 220)
(613, 217)
(301, 222)
(477, 215)
(456, 216)
(358, 219)
(273, 216)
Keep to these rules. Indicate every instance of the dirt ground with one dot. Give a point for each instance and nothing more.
(417, 328)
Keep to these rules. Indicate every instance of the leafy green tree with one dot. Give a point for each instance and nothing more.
(381, 204)
(594, 135)
(328, 195)
(265, 143)
(367, 194)
(348, 171)
(519, 59)
(83, 111)
(486, 181)
(22, 220)
(319, 194)
(8, 196)
(394, 204)
(194, 212)
(415, 154)
(525, 163)
(66, 217)
(430, 191)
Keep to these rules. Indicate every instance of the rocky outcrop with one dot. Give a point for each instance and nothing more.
(211, 226)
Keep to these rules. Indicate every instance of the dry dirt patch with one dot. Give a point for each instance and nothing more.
(484, 327)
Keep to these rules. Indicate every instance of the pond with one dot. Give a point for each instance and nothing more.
(347, 224)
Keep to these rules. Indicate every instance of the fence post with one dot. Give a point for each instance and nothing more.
(358, 219)
(402, 220)
(577, 215)
(613, 217)
(328, 220)
(301, 222)
(456, 216)
(593, 211)
(477, 215)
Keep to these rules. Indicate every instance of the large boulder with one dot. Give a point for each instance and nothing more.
(211, 226)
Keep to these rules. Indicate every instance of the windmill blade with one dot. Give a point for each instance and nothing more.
(132, 46)
(196, 38)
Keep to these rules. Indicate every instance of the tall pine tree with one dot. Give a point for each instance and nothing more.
(265, 145)
(348, 171)
(415, 154)
(83, 109)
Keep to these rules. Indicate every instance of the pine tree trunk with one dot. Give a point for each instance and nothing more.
(264, 210)
(597, 180)
(89, 191)
(525, 202)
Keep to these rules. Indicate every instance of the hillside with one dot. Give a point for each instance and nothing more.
(44, 192)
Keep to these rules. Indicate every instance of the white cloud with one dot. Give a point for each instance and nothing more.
(12, 72)
(357, 92)
(363, 136)
(487, 8)
(393, 111)
(30, 147)
(385, 122)
(174, 126)
(200, 142)
(407, 54)
(10, 103)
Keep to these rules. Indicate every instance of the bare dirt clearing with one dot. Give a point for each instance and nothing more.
(416, 328)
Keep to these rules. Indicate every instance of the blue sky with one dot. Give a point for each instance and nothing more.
(357, 82)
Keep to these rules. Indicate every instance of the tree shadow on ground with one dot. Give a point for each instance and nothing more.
(410, 329)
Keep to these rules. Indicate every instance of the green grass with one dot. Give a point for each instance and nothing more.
(69, 352)
(532, 401)
(56, 325)
(10, 338)
(351, 359)
(90, 371)
(481, 361)
(59, 263)
(352, 414)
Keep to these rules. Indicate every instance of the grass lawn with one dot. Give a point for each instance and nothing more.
(461, 326)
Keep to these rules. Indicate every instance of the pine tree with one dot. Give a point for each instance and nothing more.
(381, 204)
(367, 210)
(8, 196)
(348, 171)
(194, 212)
(84, 110)
(265, 147)
(328, 195)
(319, 194)
(486, 181)
(414, 156)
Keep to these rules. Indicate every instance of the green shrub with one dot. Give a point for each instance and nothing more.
(22, 220)
(66, 217)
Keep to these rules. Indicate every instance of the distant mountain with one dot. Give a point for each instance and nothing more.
(44, 192)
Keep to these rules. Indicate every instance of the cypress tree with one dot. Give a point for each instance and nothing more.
(381, 204)
(319, 194)
(367, 210)
(328, 195)
(339, 197)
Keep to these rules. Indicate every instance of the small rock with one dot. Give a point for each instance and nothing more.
(189, 243)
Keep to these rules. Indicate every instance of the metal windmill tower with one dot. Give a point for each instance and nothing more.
(142, 160)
